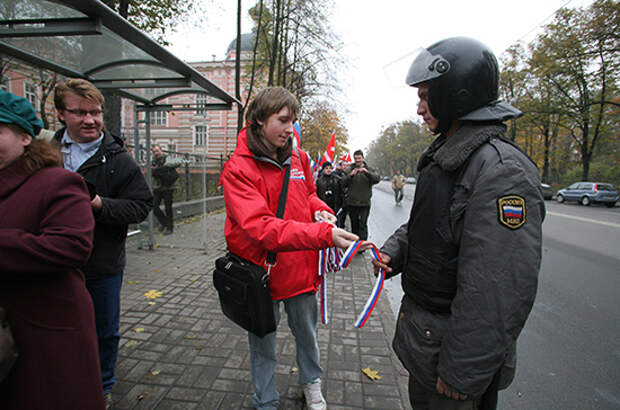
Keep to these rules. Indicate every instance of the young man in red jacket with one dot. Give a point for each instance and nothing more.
(252, 180)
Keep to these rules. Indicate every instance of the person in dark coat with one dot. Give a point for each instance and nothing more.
(46, 234)
(164, 176)
(470, 254)
(120, 196)
(358, 180)
(341, 213)
(328, 187)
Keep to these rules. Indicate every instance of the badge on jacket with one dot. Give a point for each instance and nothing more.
(511, 211)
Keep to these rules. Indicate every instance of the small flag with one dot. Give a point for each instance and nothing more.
(297, 135)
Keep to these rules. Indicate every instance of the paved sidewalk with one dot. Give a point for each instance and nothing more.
(178, 351)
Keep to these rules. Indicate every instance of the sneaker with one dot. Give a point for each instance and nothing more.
(314, 397)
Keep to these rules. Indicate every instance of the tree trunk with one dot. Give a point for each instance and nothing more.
(238, 69)
(274, 43)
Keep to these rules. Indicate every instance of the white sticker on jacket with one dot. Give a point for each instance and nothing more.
(298, 174)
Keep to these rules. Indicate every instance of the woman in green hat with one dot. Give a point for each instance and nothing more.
(46, 226)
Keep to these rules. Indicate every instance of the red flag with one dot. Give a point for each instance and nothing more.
(330, 150)
(346, 157)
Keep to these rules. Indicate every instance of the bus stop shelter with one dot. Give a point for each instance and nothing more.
(86, 39)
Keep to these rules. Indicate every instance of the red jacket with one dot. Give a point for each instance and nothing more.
(251, 190)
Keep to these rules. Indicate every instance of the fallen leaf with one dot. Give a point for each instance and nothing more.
(155, 246)
(294, 370)
(131, 343)
(152, 303)
(141, 396)
(153, 294)
(139, 329)
(155, 372)
(155, 270)
(372, 374)
(190, 336)
(199, 347)
(131, 282)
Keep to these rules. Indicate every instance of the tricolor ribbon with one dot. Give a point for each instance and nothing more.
(342, 261)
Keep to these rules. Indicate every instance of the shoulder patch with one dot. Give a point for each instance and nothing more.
(511, 211)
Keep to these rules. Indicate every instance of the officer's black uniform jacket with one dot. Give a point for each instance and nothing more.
(470, 262)
(126, 198)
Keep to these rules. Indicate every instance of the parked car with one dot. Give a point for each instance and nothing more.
(547, 191)
(589, 192)
(410, 180)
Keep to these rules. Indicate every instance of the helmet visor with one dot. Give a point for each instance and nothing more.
(426, 66)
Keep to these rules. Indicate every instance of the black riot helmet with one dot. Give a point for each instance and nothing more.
(463, 78)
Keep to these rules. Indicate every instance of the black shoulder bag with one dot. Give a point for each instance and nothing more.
(243, 287)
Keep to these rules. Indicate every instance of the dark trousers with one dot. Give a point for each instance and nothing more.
(398, 195)
(424, 399)
(342, 217)
(359, 220)
(106, 295)
(165, 219)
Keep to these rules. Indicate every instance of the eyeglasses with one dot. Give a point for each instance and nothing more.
(82, 113)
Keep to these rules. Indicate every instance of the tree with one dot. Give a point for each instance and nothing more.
(578, 56)
(399, 147)
(295, 47)
(318, 122)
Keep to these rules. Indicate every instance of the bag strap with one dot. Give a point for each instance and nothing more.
(271, 256)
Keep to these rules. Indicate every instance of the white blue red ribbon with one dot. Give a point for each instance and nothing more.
(333, 260)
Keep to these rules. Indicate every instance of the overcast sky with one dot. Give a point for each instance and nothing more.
(379, 39)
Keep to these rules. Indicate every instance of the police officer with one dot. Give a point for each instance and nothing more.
(470, 253)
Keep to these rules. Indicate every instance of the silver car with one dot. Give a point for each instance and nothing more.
(589, 192)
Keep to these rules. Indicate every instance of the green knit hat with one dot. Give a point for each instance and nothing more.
(18, 110)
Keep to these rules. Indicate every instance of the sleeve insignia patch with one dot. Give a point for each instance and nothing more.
(511, 210)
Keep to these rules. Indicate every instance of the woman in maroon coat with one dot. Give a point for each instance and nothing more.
(46, 227)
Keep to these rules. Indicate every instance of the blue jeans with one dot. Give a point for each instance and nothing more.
(106, 295)
(302, 314)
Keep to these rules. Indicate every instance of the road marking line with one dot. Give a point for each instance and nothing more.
(578, 218)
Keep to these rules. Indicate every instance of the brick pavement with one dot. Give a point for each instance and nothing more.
(178, 351)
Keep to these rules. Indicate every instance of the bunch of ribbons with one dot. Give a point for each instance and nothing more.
(333, 260)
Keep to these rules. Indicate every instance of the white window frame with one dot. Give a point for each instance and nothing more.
(5, 85)
(204, 139)
(159, 118)
(30, 94)
(201, 99)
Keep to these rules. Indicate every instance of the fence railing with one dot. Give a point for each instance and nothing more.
(198, 174)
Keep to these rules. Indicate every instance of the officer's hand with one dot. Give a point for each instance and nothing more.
(444, 389)
(385, 259)
(342, 238)
(354, 171)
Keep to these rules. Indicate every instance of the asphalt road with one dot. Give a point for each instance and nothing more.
(569, 350)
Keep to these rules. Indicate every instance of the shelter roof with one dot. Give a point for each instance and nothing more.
(86, 39)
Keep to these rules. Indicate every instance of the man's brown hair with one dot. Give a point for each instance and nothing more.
(269, 101)
(79, 87)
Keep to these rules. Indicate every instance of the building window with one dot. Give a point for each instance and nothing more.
(5, 84)
(30, 93)
(172, 147)
(200, 135)
(159, 118)
(201, 99)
